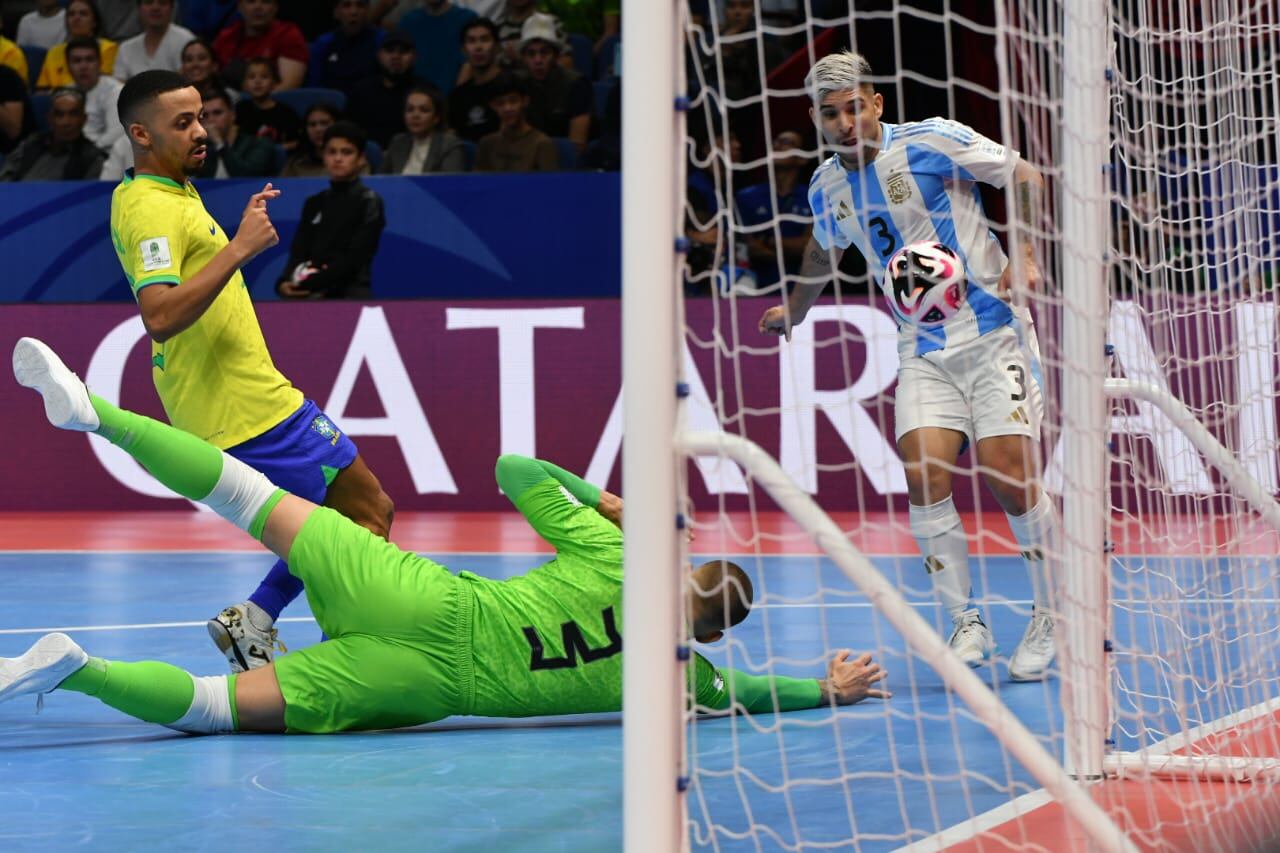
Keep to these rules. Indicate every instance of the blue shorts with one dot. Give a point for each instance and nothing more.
(301, 455)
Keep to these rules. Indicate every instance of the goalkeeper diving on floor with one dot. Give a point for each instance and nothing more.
(410, 641)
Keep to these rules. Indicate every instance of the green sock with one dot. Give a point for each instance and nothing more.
(188, 465)
(149, 690)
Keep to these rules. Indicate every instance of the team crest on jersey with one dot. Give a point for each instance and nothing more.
(899, 188)
(325, 427)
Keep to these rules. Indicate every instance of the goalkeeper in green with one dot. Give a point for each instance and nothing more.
(410, 641)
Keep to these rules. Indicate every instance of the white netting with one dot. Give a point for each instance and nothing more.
(1193, 195)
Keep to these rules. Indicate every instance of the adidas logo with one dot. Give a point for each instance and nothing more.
(1033, 554)
(843, 212)
(1019, 416)
(933, 564)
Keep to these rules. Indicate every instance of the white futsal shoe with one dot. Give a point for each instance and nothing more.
(246, 645)
(971, 639)
(66, 400)
(1035, 652)
(41, 668)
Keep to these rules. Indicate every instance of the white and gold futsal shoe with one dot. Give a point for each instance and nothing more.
(971, 639)
(246, 645)
(66, 400)
(41, 668)
(1034, 654)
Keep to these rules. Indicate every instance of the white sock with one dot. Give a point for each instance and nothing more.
(1038, 536)
(240, 493)
(210, 711)
(940, 535)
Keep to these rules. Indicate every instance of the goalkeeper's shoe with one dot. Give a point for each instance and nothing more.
(66, 400)
(41, 668)
(971, 639)
(247, 645)
(1035, 652)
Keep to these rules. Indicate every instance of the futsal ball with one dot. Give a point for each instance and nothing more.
(926, 283)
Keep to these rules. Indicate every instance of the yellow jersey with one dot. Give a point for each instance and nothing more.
(216, 378)
(12, 56)
(55, 72)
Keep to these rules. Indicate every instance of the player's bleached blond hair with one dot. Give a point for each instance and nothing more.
(837, 72)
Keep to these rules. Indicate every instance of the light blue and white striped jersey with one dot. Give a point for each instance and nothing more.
(921, 186)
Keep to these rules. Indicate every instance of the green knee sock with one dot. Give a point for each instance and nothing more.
(149, 690)
(188, 465)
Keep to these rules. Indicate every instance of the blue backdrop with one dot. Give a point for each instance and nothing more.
(474, 236)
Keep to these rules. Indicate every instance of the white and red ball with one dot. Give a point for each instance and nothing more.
(926, 283)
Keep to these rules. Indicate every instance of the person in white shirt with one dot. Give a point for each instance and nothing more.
(157, 47)
(101, 92)
(44, 27)
(119, 158)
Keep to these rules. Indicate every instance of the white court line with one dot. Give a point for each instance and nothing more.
(144, 626)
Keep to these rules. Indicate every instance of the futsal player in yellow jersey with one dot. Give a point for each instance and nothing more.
(209, 361)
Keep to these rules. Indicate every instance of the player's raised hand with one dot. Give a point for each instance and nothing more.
(775, 322)
(851, 681)
(256, 233)
(260, 199)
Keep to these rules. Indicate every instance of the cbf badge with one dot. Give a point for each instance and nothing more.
(899, 188)
(325, 427)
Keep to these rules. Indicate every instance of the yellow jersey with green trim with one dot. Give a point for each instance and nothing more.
(215, 378)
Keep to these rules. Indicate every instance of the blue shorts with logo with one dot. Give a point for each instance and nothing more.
(302, 454)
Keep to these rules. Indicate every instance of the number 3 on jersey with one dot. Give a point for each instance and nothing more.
(575, 645)
(885, 243)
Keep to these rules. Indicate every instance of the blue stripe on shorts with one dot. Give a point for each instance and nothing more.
(301, 454)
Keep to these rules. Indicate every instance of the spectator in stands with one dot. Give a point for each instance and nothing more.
(343, 57)
(469, 112)
(11, 55)
(44, 26)
(261, 115)
(17, 122)
(158, 46)
(232, 154)
(307, 160)
(517, 146)
(62, 153)
(332, 252)
(200, 67)
(206, 18)
(102, 123)
(387, 13)
(595, 19)
(427, 146)
(511, 26)
(559, 98)
(119, 158)
(436, 29)
(83, 21)
(605, 153)
(377, 102)
(260, 33)
(743, 76)
(762, 204)
(119, 19)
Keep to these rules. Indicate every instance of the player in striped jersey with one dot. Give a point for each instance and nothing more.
(977, 376)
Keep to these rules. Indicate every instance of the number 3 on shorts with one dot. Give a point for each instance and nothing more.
(1020, 379)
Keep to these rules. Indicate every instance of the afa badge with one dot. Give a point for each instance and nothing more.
(899, 188)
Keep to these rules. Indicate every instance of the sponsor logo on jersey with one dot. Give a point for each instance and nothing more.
(155, 253)
(899, 188)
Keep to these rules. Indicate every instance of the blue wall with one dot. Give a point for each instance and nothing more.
(474, 236)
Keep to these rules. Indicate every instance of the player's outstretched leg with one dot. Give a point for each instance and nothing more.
(150, 691)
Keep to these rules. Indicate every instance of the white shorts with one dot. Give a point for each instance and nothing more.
(989, 386)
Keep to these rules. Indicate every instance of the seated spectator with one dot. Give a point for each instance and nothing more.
(102, 123)
(560, 99)
(605, 153)
(595, 19)
(119, 159)
(11, 56)
(206, 18)
(44, 26)
(200, 67)
(436, 30)
(331, 256)
(517, 146)
(261, 115)
(510, 27)
(259, 34)
(62, 153)
(307, 160)
(387, 13)
(158, 46)
(427, 146)
(119, 19)
(377, 102)
(16, 119)
(232, 154)
(762, 204)
(469, 113)
(83, 21)
(343, 57)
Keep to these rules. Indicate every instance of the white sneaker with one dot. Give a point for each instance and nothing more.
(41, 668)
(66, 400)
(1035, 652)
(971, 639)
(245, 644)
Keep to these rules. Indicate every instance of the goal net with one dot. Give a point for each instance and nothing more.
(1153, 123)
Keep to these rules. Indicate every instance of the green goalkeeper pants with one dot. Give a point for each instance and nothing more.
(399, 652)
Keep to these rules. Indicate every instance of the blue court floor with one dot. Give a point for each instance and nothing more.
(870, 777)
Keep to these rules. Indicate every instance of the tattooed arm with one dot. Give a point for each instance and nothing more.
(1028, 191)
(816, 268)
